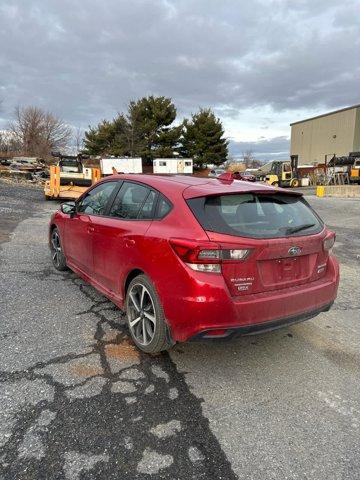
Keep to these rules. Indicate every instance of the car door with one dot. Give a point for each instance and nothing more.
(119, 238)
(80, 228)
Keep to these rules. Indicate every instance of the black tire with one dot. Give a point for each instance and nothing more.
(157, 336)
(57, 255)
(275, 184)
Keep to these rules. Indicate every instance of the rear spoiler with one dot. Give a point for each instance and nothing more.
(226, 177)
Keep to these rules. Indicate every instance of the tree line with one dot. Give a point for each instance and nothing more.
(148, 130)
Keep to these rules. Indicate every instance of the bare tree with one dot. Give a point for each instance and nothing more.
(9, 143)
(249, 160)
(39, 131)
(78, 139)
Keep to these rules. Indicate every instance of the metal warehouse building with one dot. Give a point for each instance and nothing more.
(317, 139)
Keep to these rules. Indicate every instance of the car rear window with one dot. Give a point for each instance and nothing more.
(256, 215)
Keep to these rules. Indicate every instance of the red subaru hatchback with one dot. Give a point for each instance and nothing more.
(194, 257)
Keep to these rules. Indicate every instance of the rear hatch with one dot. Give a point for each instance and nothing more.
(281, 239)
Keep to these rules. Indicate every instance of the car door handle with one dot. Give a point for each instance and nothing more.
(90, 229)
(129, 243)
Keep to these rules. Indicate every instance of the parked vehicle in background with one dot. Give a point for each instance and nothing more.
(192, 257)
(70, 164)
(69, 178)
(216, 172)
(283, 174)
(246, 176)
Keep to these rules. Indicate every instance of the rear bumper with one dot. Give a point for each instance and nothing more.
(258, 328)
(210, 307)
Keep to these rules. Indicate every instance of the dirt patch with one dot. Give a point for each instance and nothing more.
(86, 370)
(110, 336)
(120, 351)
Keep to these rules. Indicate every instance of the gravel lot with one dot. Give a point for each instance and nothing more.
(78, 401)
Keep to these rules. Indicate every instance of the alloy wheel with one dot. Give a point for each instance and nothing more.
(141, 314)
(56, 248)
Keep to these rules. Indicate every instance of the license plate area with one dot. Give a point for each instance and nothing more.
(283, 271)
(288, 269)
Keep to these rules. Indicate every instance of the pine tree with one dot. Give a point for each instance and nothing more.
(108, 138)
(203, 139)
(151, 119)
(145, 131)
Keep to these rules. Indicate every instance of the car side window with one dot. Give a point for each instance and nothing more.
(131, 202)
(163, 208)
(95, 202)
(147, 211)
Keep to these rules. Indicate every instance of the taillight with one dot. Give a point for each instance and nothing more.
(329, 242)
(206, 256)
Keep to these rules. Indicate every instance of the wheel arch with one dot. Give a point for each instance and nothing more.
(130, 276)
(168, 340)
(51, 229)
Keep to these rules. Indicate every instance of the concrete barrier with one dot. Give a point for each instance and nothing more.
(345, 191)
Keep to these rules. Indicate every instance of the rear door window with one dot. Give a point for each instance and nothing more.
(133, 201)
(256, 216)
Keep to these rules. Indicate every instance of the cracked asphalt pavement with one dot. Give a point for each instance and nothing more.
(78, 401)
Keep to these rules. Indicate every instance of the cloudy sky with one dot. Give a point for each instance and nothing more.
(259, 64)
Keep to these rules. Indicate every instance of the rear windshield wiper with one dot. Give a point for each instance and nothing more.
(298, 228)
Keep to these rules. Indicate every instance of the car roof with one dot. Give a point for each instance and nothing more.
(191, 186)
(173, 181)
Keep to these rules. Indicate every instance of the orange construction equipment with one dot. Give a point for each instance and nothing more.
(68, 186)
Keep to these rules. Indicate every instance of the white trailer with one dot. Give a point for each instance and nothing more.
(173, 165)
(122, 165)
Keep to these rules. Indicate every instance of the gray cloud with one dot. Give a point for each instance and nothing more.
(86, 59)
(263, 149)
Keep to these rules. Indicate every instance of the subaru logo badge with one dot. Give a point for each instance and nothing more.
(294, 251)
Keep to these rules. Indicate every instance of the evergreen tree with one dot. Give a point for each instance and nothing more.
(151, 119)
(145, 131)
(203, 139)
(108, 138)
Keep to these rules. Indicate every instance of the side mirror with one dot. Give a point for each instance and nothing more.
(69, 208)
